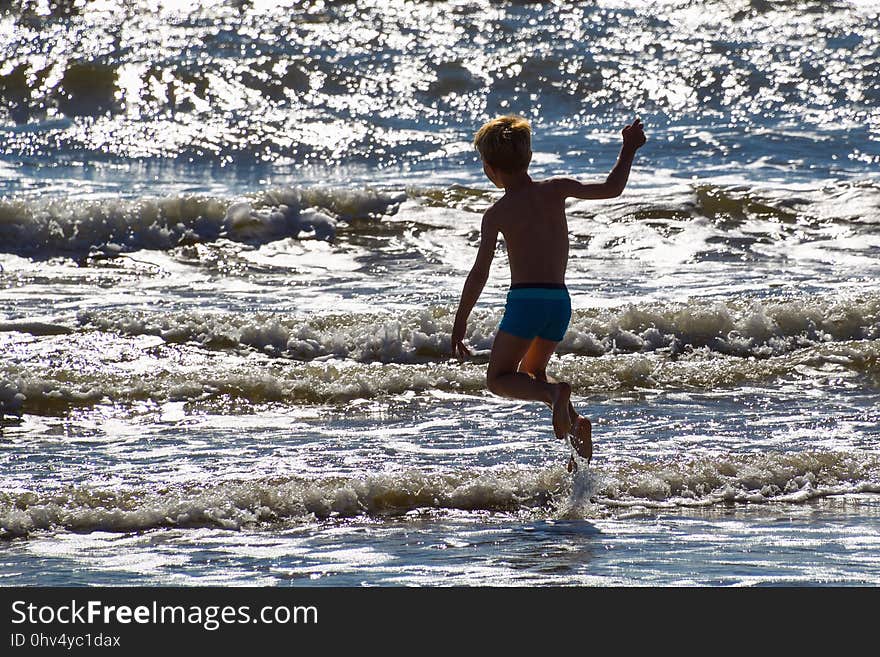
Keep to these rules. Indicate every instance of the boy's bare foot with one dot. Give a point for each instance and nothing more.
(582, 437)
(561, 419)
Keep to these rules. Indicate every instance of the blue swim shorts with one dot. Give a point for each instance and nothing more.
(537, 310)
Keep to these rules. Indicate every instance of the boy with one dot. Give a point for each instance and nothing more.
(531, 217)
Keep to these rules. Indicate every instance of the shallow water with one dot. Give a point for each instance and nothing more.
(232, 242)
(831, 544)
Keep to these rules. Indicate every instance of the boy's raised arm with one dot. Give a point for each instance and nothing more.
(474, 284)
(633, 139)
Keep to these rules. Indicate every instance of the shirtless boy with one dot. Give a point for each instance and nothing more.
(531, 218)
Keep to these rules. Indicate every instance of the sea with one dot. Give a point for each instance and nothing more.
(233, 236)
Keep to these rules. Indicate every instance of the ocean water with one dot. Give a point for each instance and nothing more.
(232, 240)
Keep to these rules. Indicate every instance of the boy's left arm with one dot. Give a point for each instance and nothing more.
(474, 284)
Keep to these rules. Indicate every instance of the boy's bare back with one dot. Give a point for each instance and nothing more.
(532, 220)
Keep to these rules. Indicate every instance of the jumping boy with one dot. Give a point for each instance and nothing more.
(531, 217)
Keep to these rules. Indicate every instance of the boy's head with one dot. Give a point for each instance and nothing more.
(505, 144)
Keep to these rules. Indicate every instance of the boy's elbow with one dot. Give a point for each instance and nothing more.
(612, 187)
(479, 274)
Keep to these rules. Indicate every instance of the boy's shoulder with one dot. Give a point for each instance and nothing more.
(503, 206)
(493, 214)
(546, 186)
(553, 184)
(550, 185)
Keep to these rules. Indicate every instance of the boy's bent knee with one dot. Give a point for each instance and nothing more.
(492, 382)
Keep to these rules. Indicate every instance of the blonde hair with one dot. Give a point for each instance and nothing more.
(505, 143)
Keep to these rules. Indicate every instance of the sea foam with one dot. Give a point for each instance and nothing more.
(767, 478)
(739, 327)
(43, 390)
(47, 227)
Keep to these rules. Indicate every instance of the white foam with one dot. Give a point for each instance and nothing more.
(733, 479)
(38, 389)
(232, 505)
(50, 226)
(740, 327)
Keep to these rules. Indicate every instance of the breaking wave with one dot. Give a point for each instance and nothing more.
(732, 221)
(700, 482)
(73, 227)
(742, 327)
(32, 389)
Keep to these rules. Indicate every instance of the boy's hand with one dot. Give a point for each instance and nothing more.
(634, 135)
(459, 349)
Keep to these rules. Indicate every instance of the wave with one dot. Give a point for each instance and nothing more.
(50, 227)
(742, 220)
(758, 328)
(778, 212)
(701, 482)
(26, 388)
(768, 212)
(262, 358)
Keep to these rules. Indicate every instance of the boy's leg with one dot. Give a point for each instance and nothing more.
(504, 379)
(534, 363)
